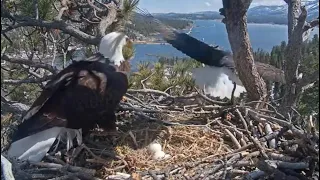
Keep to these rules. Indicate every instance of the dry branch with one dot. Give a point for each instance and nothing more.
(105, 15)
(68, 29)
(29, 63)
(31, 80)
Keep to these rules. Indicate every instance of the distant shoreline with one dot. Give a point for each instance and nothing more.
(149, 42)
(189, 30)
(161, 42)
(258, 23)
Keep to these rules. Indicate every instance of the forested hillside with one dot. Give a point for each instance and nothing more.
(309, 102)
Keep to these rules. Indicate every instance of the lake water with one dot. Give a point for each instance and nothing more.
(263, 36)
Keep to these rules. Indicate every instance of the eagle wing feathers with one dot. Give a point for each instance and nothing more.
(206, 54)
(81, 95)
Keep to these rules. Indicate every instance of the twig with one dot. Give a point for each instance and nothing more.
(272, 142)
(279, 121)
(134, 139)
(148, 91)
(144, 80)
(67, 167)
(234, 139)
(255, 141)
(210, 100)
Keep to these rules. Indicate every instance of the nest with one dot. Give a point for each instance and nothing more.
(182, 143)
(206, 139)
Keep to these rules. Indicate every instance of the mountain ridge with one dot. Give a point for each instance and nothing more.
(276, 14)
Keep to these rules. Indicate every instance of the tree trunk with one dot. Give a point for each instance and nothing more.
(236, 25)
(296, 20)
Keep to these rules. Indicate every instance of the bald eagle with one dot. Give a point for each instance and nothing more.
(218, 72)
(80, 96)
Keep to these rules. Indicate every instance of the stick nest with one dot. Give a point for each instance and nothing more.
(206, 139)
(182, 143)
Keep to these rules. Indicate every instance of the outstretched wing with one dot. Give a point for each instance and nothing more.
(191, 46)
(271, 73)
(196, 49)
(208, 55)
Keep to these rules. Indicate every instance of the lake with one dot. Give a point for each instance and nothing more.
(263, 36)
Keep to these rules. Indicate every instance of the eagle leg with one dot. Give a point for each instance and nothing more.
(73, 154)
(232, 94)
(108, 122)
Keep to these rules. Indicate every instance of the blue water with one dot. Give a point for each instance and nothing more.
(263, 36)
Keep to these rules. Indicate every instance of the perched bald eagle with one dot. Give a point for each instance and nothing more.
(218, 72)
(80, 96)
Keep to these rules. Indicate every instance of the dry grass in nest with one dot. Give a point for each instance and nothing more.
(183, 143)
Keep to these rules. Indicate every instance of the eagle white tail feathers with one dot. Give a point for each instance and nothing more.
(217, 81)
(231, 76)
(33, 148)
(111, 47)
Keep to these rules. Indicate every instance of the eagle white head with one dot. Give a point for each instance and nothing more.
(111, 47)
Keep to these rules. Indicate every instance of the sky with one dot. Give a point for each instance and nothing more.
(184, 6)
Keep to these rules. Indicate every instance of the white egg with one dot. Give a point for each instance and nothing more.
(167, 156)
(155, 147)
(159, 155)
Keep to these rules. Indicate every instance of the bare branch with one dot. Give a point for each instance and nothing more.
(106, 16)
(306, 87)
(61, 11)
(23, 81)
(30, 63)
(91, 4)
(7, 38)
(107, 21)
(54, 49)
(302, 18)
(297, 15)
(66, 28)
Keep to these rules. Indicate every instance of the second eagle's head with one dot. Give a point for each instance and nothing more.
(118, 49)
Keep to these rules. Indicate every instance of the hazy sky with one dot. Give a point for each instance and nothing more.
(183, 6)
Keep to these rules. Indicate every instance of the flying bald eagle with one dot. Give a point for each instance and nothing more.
(218, 72)
(80, 96)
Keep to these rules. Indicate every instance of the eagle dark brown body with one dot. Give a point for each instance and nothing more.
(82, 95)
